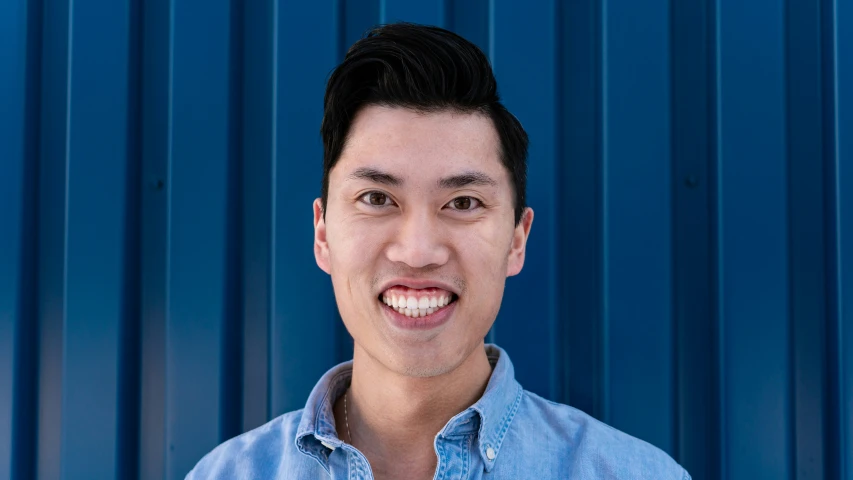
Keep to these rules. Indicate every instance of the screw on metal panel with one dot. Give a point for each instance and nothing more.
(691, 181)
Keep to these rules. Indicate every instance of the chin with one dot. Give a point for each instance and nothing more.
(425, 361)
(421, 370)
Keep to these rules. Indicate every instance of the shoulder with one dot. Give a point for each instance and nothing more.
(589, 446)
(258, 453)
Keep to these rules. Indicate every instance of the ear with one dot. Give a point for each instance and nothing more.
(321, 247)
(519, 243)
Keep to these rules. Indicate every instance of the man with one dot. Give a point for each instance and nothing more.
(421, 219)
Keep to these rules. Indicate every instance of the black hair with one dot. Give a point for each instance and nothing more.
(426, 69)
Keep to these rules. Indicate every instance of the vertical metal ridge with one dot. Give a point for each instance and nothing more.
(604, 234)
(790, 267)
(578, 232)
(692, 186)
(155, 182)
(168, 447)
(273, 289)
(20, 81)
(600, 395)
(255, 195)
(711, 77)
(791, 404)
(835, 455)
(718, 232)
(638, 218)
(63, 432)
(25, 397)
(199, 222)
(51, 250)
(752, 89)
(559, 357)
(806, 236)
(841, 421)
(675, 261)
(556, 385)
(231, 387)
(130, 356)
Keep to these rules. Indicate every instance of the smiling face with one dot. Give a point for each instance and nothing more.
(419, 236)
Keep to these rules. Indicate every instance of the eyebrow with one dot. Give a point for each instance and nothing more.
(377, 176)
(466, 179)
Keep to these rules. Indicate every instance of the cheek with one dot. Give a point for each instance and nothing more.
(353, 244)
(482, 255)
(354, 253)
(487, 247)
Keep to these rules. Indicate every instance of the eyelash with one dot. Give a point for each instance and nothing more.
(366, 200)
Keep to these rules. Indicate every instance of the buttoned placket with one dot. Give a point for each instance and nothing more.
(454, 457)
(347, 463)
(453, 453)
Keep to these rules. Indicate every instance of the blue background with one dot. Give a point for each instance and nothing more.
(689, 276)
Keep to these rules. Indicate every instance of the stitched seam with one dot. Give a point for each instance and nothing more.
(442, 465)
(304, 449)
(508, 417)
(466, 454)
(332, 381)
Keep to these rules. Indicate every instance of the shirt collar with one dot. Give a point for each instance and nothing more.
(490, 416)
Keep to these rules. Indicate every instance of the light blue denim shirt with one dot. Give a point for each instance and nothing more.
(509, 434)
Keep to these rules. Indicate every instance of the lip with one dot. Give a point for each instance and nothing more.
(417, 283)
(434, 320)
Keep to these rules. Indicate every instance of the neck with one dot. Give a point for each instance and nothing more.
(393, 416)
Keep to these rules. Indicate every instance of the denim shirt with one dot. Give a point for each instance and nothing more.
(509, 434)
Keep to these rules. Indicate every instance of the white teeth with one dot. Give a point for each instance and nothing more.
(416, 307)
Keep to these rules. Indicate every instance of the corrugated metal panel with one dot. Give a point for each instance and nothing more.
(689, 278)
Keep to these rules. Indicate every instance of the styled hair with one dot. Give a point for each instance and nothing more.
(426, 69)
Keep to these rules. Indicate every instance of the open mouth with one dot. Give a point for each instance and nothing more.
(417, 303)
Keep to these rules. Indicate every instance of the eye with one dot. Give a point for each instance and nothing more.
(376, 199)
(464, 203)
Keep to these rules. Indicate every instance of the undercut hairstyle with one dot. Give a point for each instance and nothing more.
(425, 69)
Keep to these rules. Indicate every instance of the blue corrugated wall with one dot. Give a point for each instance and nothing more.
(689, 276)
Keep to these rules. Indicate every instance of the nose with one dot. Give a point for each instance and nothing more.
(419, 242)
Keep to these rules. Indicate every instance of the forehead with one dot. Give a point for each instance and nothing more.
(402, 139)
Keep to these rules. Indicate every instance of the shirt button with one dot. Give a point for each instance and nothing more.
(329, 446)
(490, 453)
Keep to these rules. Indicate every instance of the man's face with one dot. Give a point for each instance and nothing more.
(419, 236)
